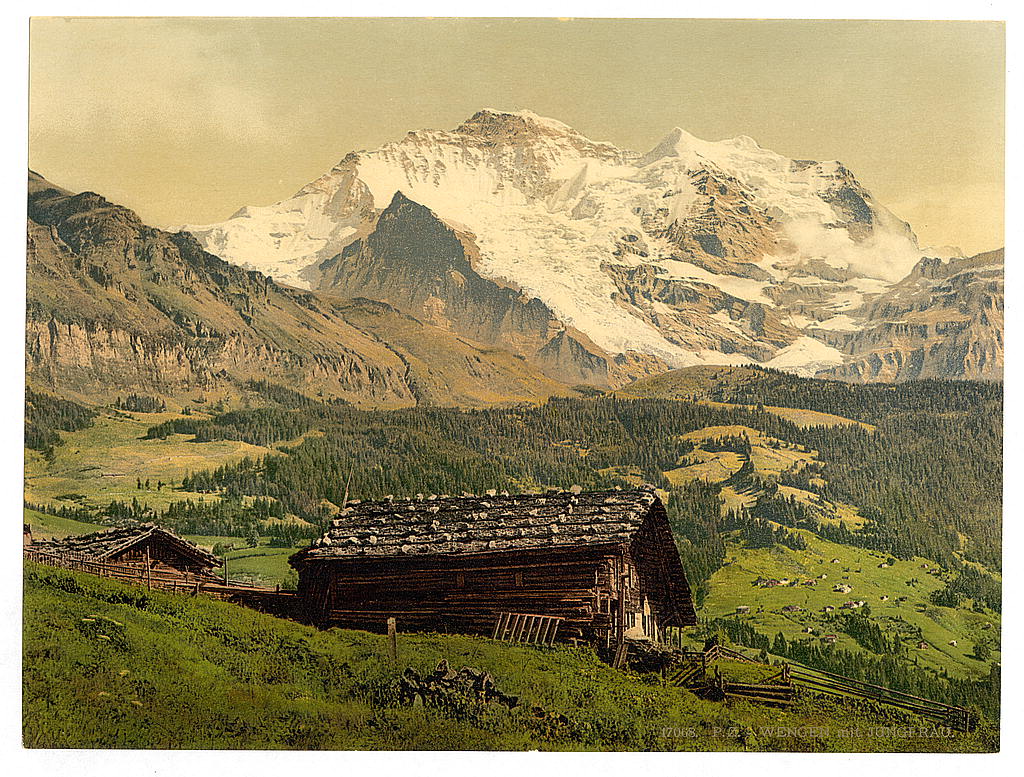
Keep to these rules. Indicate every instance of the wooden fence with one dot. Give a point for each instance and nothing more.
(820, 681)
(174, 582)
(694, 670)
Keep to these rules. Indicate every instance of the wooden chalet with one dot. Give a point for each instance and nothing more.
(144, 545)
(604, 562)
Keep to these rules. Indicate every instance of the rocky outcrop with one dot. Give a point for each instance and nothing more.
(944, 320)
(417, 263)
(700, 316)
(116, 306)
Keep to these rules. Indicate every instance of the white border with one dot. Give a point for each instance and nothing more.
(106, 763)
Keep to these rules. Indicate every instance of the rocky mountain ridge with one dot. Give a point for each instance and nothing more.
(117, 306)
(692, 253)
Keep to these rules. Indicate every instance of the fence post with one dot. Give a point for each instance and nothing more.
(393, 640)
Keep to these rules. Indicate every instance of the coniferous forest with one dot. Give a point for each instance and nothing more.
(925, 476)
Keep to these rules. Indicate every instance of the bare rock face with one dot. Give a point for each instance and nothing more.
(944, 320)
(694, 253)
(414, 261)
(115, 306)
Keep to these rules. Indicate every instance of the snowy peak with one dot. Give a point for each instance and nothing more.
(509, 125)
(677, 143)
(695, 252)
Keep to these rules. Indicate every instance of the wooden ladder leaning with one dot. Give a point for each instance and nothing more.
(522, 627)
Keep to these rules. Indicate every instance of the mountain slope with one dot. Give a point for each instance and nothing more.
(693, 253)
(945, 319)
(115, 306)
(414, 261)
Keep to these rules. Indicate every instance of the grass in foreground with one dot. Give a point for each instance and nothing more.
(108, 665)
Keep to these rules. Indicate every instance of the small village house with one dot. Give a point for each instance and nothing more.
(603, 562)
(143, 545)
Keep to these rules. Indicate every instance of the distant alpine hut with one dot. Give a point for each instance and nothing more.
(145, 545)
(605, 562)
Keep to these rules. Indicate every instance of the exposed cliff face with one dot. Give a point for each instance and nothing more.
(115, 306)
(944, 320)
(422, 266)
(571, 223)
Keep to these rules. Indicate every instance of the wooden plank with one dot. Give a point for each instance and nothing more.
(514, 633)
(393, 640)
(544, 633)
(497, 625)
(535, 629)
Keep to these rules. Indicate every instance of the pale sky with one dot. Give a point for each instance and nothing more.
(186, 120)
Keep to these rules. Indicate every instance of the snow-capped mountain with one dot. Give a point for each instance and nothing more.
(693, 252)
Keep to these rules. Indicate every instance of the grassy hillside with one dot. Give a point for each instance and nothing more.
(263, 564)
(103, 463)
(47, 527)
(906, 607)
(106, 665)
(860, 474)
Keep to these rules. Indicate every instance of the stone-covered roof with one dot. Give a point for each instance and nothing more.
(108, 543)
(477, 524)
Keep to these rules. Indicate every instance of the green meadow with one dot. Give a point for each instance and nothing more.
(114, 666)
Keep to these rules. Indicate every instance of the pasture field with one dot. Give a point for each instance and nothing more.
(48, 527)
(114, 666)
(104, 462)
(733, 586)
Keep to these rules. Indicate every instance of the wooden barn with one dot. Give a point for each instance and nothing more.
(145, 545)
(604, 562)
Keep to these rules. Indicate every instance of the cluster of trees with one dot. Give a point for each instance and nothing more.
(47, 415)
(869, 403)
(970, 583)
(930, 471)
(139, 403)
(923, 478)
(63, 510)
(694, 512)
(755, 532)
(229, 516)
(439, 450)
(868, 634)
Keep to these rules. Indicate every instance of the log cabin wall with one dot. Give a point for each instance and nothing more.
(602, 561)
(465, 594)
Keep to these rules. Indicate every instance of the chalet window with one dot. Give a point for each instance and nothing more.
(460, 580)
(519, 579)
